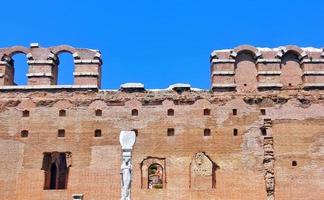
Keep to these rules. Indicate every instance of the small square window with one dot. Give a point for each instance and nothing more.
(207, 132)
(98, 112)
(294, 163)
(235, 132)
(234, 111)
(170, 112)
(61, 133)
(263, 111)
(62, 113)
(25, 113)
(264, 131)
(97, 133)
(24, 133)
(134, 112)
(206, 111)
(170, 132)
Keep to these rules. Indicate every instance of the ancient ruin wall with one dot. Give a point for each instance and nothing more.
(221, 144)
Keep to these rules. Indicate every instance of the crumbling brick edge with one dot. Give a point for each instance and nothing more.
(269, 160)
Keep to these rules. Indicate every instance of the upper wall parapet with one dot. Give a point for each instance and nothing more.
(250, 69)
(43, 65)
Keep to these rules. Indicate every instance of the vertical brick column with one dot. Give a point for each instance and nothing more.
(222, 72)
(42, 72)
(313, 72)
(6, 72)
(87, 72)
(42, 68)
(268, 73)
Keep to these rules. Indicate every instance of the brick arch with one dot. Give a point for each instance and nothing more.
(245, 49)
(10, 52)
(63, 49)
(146, 164)
(292, 49)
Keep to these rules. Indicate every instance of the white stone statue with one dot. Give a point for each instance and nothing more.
(127, 140)
(126, 173)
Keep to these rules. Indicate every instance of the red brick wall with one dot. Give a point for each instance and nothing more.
(297, 130)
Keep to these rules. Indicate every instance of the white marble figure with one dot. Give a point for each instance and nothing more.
(126, 171)
(127, 140)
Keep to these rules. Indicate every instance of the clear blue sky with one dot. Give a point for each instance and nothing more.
(157, 42)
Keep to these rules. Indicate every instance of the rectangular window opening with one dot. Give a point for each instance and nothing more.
(56, 167)
(170, 132)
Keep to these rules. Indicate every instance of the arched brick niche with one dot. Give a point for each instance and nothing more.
(290, 66)
(202, 172)
(43, 63)
(248, 69)
(245, 71)
(153, 173)
(235, 69)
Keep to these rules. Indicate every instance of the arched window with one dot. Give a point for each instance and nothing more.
(20, 66)
(25, 113)
(134, 112)
(98, 112)
(170, 112)
(62, 113)
(65, 68)
(155, 176)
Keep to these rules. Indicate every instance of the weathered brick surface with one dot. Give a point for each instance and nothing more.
(251, 165)
(297, 130)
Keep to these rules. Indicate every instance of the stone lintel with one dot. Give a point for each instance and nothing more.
(269, 72)
(34, 45)
(260, 60)
(307, 60)
(313, 85)
(222, 61)
(313, 73)
(132, 87)
(95, 61)
(5, 63)
(223, 73)
(41, 62)
(180, 87)
(40, 74)
(46, 87)
(224, 85)
(95, 74)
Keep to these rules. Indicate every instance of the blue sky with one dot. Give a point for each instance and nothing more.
(157, 42)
